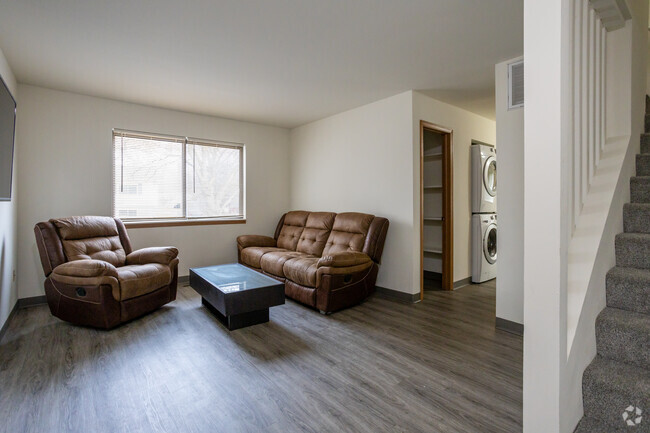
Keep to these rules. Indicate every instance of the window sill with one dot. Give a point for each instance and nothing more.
(180, 223)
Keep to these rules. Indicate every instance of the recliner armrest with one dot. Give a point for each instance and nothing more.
(162, 255)
(344, 259)
(88, 273)
(85, 269)
(246, 241)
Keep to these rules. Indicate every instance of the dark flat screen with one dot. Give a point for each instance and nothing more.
(7, 133)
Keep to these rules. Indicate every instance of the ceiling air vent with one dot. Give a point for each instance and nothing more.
(516, 85)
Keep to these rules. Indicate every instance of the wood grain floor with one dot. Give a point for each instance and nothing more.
(437, 366)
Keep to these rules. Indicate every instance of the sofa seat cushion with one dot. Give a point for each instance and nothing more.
(252, 256)
(302, 270)
(138, 280)
(273, 262)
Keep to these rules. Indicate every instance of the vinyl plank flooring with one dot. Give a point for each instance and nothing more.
(383, 366)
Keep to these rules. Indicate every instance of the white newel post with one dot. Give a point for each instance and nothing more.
(548, 100)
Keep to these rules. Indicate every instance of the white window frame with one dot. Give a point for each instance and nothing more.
(185, 220)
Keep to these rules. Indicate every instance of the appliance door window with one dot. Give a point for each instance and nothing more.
(490, 176)
(490, 244)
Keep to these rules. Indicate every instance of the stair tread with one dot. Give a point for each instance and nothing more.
(612, 315)
(590, 425)
(616, 374)
(610, 386)
(635, 273)
(637, 206)
(634, 236)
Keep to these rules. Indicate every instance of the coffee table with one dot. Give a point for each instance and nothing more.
(237, 295)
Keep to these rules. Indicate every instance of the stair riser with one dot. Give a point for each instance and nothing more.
(633, 253)
(639, 191)
(605, 404)
(623, 344)
(643, 165)
(628, 293)
(645, 143)
(636, 219)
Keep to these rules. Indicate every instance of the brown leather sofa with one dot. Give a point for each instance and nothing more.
(94, 278)
(328, 261)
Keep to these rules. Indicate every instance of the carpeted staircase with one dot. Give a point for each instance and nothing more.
(616, 385)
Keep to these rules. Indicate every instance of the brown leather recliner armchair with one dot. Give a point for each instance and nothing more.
(94, 278)
(326, 260)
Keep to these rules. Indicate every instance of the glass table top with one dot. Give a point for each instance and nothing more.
(234, 278)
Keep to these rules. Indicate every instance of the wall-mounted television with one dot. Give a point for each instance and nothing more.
(7, 134)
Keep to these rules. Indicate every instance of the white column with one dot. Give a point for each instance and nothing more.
(547, 119)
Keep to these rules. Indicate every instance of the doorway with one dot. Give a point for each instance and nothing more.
(436, 207)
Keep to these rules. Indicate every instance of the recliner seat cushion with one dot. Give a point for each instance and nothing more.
(302, 270)
(252, 256)
(316, 232)
(138, 280)
(292, 228)
(273, 262)
(348, 233)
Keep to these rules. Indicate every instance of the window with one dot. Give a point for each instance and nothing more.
(163, 178)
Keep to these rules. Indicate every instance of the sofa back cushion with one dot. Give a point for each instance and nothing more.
(316, 232)
(292, 228)
(91, 237)
(348, 232)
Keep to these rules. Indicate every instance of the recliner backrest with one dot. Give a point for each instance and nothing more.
(91, 237)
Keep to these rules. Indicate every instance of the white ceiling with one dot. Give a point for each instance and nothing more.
(280, 62)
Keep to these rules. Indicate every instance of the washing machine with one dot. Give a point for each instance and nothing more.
(484, 247)
(484, 179)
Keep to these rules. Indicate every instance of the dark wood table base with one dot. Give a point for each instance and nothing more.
(236, 321)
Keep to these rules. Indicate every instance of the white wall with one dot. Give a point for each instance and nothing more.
(8, 250)
(510, 179)
(362, 160)
(367, 160)
(466, 127)
(66, 169)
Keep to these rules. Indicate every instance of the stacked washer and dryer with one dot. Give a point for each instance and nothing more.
(484, 216)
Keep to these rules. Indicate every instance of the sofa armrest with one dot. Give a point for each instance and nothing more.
(246, 241)
(344, 259)
(85, 269)
(162, 255)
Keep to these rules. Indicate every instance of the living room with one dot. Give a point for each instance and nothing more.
(324, 105)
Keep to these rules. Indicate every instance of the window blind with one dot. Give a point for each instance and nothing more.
(166, 177)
